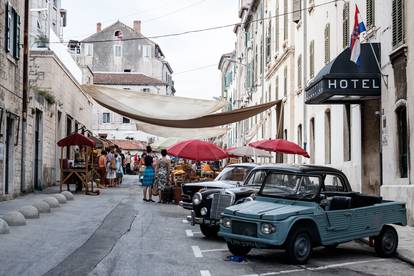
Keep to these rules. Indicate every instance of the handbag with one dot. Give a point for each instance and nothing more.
(155, 191)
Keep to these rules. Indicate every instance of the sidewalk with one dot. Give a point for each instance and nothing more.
(406, 243)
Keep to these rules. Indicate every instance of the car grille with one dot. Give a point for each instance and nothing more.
(244, 228)
(218, 204)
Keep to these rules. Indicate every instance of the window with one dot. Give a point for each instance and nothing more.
(327, 44)
(296, 10)
(277, 184)
(299, 134)
(328, 137)
(312, 140)
(402, 133)
(285, 20)
(256, 178)
(347, 132)
(146, 90)
(12, 32)
(147, 51)
(333, 183)
(277, 27)
(119, 35)
(261, 57)
(398, 23)
(269, 40)
(106, 117)
(118, 50)
(285, 88)
(126, 120)
(370, 13)
(300, 72)
(345, 25)
(127, 70)
(312, 59)
(89, 49)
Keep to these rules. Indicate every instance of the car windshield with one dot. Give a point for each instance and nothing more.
(290, 185)
(234, 173)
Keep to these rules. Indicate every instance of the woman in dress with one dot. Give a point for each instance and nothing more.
(149, 175)
(111, 167)
(119, 169)
(163, 173)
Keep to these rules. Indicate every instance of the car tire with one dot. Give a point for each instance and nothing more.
(209, 231)
(238, 250)
(298, 246)
(386, 242)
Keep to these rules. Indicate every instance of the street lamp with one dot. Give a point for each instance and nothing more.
(236, 61)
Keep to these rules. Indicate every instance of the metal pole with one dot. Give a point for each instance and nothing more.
(25, 92)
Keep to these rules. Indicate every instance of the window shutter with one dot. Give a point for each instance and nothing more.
(16, 48)
(277, 87)
(285, 20)
(296, 16)
(398, 32)
(277, 27)
(300, 72)
(7, 28)
(345, 25)
(311, 59)
(370, 13)
(327, 44)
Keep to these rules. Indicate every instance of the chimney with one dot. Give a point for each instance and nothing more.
(98, 27)
(137, 26)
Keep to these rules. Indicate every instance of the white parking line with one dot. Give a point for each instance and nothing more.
(185, 221)
(197, 251)
(205, 273)
(189, 233)
(214, 250)
(318, 268)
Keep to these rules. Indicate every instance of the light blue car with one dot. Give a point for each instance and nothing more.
(301, 207)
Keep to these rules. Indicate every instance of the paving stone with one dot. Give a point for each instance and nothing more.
(29, 212)
(42, 206)
(52, 201)
(61, 198)
(4, 227)
(14, 218)
(68, 195)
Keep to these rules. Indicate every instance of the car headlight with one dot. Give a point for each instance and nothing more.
(267, 228)
(197, 198)
(203, 211)
(226, 222)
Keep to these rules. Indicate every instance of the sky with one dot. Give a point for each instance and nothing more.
(184, 53)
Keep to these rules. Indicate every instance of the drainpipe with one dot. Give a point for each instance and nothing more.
(305, 72)
(25, 92)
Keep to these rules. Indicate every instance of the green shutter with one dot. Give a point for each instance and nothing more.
(370, 13)
(7, 29)
(16, 48)
(398, 18)
(345, 25)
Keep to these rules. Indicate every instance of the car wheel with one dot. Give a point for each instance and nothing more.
(298, 246)
(386, 242)
(209, 231)
(238, 250)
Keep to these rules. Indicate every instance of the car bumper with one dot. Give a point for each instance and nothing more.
(186, 205)
(197, 220)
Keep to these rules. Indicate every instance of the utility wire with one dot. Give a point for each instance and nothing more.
(196, 69)
(202, 30)
(174, 12)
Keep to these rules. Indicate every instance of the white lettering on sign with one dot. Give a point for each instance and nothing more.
(332, 83)
(343, 84)
(365, 83)
(375, 84)
(355, 83)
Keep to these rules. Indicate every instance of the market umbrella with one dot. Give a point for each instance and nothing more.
(76, 139)
(248, 151)
(197, 150)
(280, 145)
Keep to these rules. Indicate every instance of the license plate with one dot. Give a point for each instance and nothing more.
(243, 243)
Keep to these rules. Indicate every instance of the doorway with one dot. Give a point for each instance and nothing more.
(38, 162)
(9, 154)
(371, 147)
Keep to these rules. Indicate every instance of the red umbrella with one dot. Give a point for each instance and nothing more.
(76, 139)
(197, 150)
(280, 145)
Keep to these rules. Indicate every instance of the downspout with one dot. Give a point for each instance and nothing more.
(305, 72)
(25, 93)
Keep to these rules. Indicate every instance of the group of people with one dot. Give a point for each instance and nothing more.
(111, 166)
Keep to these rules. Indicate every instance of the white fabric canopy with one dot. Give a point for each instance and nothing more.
(164, 143)
(193, 133)
(249, 151)
(153, 105)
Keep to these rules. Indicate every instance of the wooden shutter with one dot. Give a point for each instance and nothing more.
(300, 72)
(345, 25)
(16, 48)
(311, 59)
(398, 28)
(296, 16)
(370, 13)
(327, 44)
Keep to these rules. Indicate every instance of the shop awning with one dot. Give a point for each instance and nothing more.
(342, 81)
(194, 133)
(169, 111)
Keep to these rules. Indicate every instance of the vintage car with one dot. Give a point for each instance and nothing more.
(231, 176)
(299, 207)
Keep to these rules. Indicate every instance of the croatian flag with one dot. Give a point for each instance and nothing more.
(359, 28)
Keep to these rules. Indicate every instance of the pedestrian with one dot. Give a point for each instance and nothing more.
(128, 163)
(110, 167)
(163, 169)
(102, 168)
(119, 169)
(149, 175)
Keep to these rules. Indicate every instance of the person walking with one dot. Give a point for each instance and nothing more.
(119, 169)
(110, 167)
(102, 168)
(163, 169)
(128, 163)
(149, 175)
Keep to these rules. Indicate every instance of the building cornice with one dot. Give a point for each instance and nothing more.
(285, 55)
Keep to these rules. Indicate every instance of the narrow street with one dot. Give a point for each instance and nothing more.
(116, 233)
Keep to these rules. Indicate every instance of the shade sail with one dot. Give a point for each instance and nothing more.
(164, 143)
(193, 133)
(151, 105)
(76, 139)
(211, 120)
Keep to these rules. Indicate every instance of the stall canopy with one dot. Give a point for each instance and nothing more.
(76, 139)
(342, 81)
(196, 133)
(159, 110)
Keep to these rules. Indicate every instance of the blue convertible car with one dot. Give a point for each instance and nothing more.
(299, 207)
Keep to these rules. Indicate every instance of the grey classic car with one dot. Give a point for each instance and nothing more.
(299, 207)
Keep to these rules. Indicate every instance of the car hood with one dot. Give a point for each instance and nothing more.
(213, 184)
(271, 210)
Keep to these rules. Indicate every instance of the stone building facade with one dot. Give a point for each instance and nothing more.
(11, 72)
(283, 47)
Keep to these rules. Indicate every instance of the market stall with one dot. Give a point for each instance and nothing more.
(80, 170)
